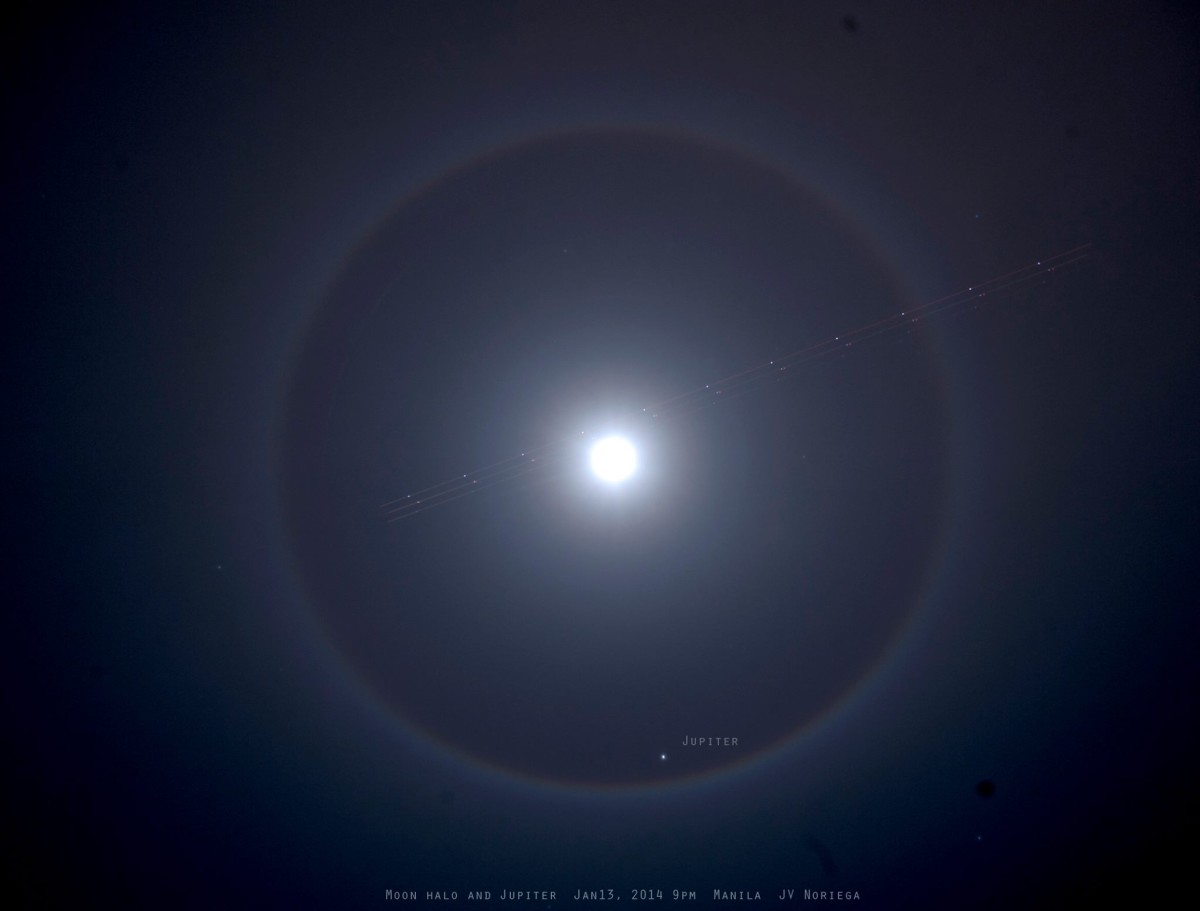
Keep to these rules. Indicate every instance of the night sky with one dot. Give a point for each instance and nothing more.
(899, 307)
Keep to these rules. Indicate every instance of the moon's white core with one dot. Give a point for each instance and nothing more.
(614, 459)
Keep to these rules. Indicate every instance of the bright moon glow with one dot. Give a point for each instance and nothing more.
(614, 459)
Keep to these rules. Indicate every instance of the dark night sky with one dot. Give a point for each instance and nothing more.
(269, 268)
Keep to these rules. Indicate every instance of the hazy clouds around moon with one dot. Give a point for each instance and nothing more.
(781, 538)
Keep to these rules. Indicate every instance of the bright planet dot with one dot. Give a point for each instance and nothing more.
(614, 459)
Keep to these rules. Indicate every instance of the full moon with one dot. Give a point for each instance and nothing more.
(614, 459)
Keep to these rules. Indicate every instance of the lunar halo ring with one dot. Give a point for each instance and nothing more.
(296, 383)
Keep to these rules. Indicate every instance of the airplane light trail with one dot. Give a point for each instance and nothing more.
(736, 384)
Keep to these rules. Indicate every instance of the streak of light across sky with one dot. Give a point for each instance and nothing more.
(736, 384)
